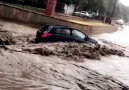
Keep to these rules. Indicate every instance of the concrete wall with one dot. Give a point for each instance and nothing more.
(103, 29)
(26, 16)
(31, 17)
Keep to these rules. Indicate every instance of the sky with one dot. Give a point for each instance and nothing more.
(125, 2)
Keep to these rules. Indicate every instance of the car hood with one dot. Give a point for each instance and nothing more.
(90, 40)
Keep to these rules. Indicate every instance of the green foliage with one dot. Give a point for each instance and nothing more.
(120, 9)
(87, 5)
(94, 5)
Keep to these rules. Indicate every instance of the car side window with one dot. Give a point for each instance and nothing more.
(63, 31)
(77, 33)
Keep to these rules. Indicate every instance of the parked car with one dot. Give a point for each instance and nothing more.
(62, 33)
(82, 14)
(120, 22)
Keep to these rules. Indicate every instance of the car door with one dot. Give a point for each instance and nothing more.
(78, 36)
(63, 34)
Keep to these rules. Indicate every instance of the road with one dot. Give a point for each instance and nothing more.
(114, 66)
(20, 69)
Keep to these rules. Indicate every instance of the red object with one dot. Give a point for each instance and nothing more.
(46, 35)
(50, 9)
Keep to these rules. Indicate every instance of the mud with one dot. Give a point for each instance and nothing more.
(73, 51)
(6, 38)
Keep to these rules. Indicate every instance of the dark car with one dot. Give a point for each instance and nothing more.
(62, 33)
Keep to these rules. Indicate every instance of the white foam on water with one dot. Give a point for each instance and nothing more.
(114, 66)
(119, 37)
(18, 28)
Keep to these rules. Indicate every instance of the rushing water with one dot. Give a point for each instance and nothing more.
(119, 37)
(114, 66)
(18, 28)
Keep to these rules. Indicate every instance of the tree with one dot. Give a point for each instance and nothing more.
(95, 5)
(120, 10)
(87, 5)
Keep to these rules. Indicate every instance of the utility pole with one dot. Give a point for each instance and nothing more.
(113, 12)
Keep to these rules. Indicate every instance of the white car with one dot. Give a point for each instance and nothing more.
(82, 14)
(120, 22)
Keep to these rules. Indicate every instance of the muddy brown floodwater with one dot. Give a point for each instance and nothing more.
(6, 38)
(51, 66)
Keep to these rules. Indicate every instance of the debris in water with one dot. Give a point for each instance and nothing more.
(6, 38)
(75, 51)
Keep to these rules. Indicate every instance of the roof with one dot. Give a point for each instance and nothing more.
(59, 26)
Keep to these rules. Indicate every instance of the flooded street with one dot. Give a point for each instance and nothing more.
(28, 66)
(17, 28)
(114, 66)
(119, 37)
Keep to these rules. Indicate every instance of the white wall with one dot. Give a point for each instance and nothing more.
(69, 9)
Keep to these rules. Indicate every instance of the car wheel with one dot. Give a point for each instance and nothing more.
(37, 40)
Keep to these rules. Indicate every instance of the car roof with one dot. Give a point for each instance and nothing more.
(58, 26)
(62, 26)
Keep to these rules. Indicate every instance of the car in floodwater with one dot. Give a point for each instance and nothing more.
(54, 33)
